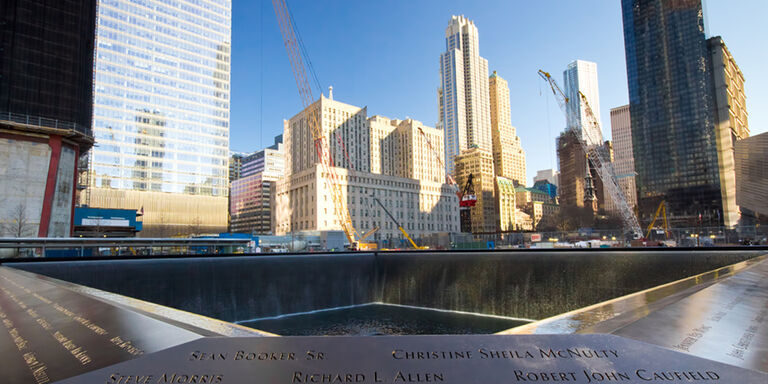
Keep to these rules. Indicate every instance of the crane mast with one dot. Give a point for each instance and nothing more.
(448, 178)
(311, 118)
(590, 143)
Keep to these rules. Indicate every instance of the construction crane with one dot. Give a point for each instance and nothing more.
(590, 143)
(400, 227)
(467, 197)
(662, 209)
(467, 200)
(300, 73)
(448, 178)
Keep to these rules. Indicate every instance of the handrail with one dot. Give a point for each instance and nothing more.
(43, 122)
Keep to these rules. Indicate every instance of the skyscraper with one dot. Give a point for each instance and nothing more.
(463, 94)
(751, 176)
(731, 125)
(581, 77)
(251, 193)
(161, 112)
(623, 160)
(580, 185)
(508, 153)
(673, 135)
(46, 77)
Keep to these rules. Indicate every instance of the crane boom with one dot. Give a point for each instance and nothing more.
(449, 179)
(595, 153)
(400, 227)
(311, 117)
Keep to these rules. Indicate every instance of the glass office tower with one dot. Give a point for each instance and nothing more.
(161, 112)
(671, 107)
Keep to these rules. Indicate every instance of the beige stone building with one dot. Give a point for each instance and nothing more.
(381, 157)
(537, 204)
(399, 149)
(302, 202)
(345, 132)
(512, 216)
(730, 121)
(479, 163)
(505, 204)
(508, 153)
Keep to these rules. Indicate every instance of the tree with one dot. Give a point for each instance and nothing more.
(557, 222)
(18, 224)
(608, 222)
(196, 226)
(163, 229)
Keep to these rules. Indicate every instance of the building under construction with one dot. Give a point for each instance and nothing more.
(577, 187)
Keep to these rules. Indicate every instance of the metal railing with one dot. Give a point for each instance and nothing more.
(92, 247)
(42, 122)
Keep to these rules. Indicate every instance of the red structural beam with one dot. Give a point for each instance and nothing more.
(50, 185)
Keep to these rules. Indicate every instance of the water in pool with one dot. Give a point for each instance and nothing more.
(383, 319)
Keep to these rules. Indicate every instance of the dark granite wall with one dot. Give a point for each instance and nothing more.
(227, 288)
(534, 285)
(523, 284)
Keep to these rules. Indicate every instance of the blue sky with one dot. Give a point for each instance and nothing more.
(384, 55)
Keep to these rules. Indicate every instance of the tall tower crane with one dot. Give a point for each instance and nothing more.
(300, 73)
(466, 195)
(465, 199)
(448, 178)
(596, 156)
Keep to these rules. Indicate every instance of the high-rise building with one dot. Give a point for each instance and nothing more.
(508, 153)
(581, 77)
(250, 195)
(730, 102)
(463, 94)
(506, 204)
(623, 159)
(340, 123)
(235, 165)
(398, 148)
(387, 158)
(550, 175)
(46, 92)
(161, 112)
(672, 107)
(752, 174)
(479, 164)
(270, 161)
(580, 184)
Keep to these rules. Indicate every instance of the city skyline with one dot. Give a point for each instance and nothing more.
(405, 71)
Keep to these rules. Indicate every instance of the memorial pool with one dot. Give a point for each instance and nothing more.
(383, 319)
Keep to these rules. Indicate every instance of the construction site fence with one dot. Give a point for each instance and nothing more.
(681, 237)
